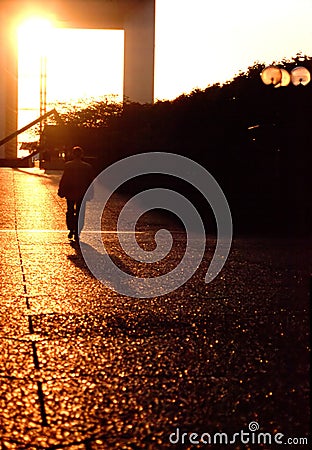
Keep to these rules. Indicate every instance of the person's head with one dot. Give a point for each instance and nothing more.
(77, 152)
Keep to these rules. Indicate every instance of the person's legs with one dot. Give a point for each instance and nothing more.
(80, 210)
(70, 218)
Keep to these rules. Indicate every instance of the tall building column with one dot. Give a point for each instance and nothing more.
(8, 84)
(139, 52)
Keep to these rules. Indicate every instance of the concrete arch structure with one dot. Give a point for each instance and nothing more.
(135, 17)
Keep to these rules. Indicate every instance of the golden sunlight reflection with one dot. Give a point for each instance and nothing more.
(31, 215)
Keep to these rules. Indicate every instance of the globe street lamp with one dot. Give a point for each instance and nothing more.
(280, 77)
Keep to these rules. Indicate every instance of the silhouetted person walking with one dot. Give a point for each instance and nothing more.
(77, 177)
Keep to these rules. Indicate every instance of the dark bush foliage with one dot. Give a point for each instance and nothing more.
(255, 139)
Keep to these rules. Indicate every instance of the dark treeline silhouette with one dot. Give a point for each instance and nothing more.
(254, 139)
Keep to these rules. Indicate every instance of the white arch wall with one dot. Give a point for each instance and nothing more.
(139, 53)
(136, 17)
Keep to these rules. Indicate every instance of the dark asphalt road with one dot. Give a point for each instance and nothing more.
(82, 367)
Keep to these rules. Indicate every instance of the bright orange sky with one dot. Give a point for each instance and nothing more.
(198, 42)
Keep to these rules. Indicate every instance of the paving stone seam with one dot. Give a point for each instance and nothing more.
(30, 323)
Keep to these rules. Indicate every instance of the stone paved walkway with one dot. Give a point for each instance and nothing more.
(82, 367)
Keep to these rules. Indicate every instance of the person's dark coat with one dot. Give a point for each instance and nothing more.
(77, 177)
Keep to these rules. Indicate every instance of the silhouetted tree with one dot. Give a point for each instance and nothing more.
(96, 115)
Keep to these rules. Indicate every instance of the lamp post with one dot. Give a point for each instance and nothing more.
(43, 89)
(45, 32)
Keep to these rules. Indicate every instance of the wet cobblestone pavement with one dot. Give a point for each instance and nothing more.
(83, 368)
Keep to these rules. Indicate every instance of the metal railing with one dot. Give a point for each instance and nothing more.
(31, 124)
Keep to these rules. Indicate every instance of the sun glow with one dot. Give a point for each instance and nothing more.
(36, 29)
(81, 66)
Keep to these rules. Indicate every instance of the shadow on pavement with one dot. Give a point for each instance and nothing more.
(78, 260)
